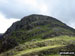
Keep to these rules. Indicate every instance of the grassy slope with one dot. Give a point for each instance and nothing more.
(37, 50)
(35, 47)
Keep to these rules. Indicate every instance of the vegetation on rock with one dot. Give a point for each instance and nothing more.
(37, 35)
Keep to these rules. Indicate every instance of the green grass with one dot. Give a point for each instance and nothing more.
(40, 45)
(37, 49)
(58, 38)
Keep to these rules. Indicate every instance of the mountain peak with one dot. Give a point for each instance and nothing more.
(34, 27)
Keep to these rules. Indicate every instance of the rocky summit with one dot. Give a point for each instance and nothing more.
(40, 34)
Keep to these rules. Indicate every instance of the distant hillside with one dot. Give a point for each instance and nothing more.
(35, 28)
(1, 35)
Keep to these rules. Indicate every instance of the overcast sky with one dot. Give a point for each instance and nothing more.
(13, 10)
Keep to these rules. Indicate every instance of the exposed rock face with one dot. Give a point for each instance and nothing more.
(34, 27)
(1, 36)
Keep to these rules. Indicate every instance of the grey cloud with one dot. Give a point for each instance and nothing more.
(16, 10)
(64, 10)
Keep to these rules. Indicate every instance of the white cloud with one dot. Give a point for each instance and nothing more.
(3, 1)
(5, 23)
(34, 5)
(43, 8)
(20, 8)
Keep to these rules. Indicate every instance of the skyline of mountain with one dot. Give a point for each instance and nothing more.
(63, 10)
(34, 28)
